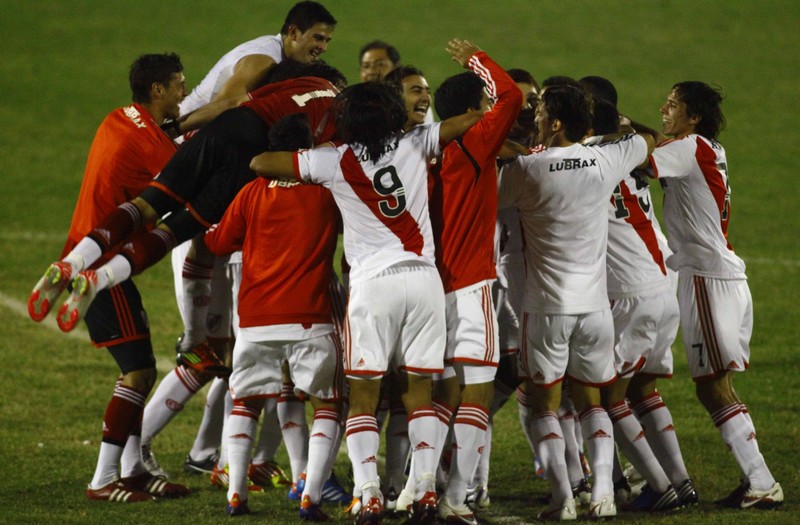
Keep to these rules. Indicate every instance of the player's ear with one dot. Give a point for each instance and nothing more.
(156, 90)
(557, 125)
(293, 32)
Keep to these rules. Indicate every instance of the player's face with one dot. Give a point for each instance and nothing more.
(544, 126)
(417, 96)
(172, 95)
(675, 120)
(307, 46)
(525, 126)
(375, 64)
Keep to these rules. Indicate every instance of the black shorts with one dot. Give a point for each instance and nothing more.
(117, 320)
(209, 169)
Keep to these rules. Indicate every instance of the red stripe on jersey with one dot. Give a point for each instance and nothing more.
(642, 226)
(403, 226)
(707, 161)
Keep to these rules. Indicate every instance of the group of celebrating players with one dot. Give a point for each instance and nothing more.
(509, 247)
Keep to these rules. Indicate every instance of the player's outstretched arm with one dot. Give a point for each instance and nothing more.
(274, 165)
(454, 127)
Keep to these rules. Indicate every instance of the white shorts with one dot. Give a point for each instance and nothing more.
(717, 322)
(578, 346)
(644, 329)
(507, 321)
(471, 327)
(315, 366)
(397, 319)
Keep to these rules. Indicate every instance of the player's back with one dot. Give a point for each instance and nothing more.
(635, 261)
(564, 197)
(310, 95)
(221, 72)
(384, 204)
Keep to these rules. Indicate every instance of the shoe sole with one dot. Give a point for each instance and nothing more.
(45, 293)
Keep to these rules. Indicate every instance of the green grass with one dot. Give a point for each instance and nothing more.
(64, 68)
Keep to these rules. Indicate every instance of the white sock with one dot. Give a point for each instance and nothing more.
(240, 431)
(549, 442)
(177, 387)
(209, 435)
(324, 430)
(363, 441)
(269, 436)
(596, 426)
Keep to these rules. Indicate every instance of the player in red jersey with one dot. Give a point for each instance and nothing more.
(196, 185)
(128, 150)
(463, 196)
(287, 234)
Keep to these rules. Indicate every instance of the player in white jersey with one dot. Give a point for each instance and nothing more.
(716, 310)
(645, 313)
(395, 314)
(202, 289)
(567, 330)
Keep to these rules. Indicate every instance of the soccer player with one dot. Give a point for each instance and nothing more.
(507, 289)
(463, 213)
(567, 329)
(304, 36)
(645, 312)
(416, 94)
(376, 60)
(716, 310)
(196, 185)
(287, 233)
(128, 150)
(379, 181)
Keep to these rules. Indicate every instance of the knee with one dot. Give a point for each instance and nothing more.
(140, 380)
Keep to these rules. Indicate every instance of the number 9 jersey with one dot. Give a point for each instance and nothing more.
(384, 204)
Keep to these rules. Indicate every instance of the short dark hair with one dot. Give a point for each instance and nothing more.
(291, 68)
(605, 117)
(306, 14)
(522, 76)
(457, 94)
(572, 106)
(702, 101)
(149, 69)
(396, 76)
(600, 88)
(560, 80)
(291, 133)
(370, 114)
(391, 51)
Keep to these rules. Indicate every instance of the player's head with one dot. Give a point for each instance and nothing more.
(291, 133)
(559, 80)
(605, 117)
(377, 59)
(158, 78)
(524, 128)
(460, 93)
(600, 88)
(693, 107)
(288, 69)
(413, 87)
(307, 31)
(370, 114)
(563, 109)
